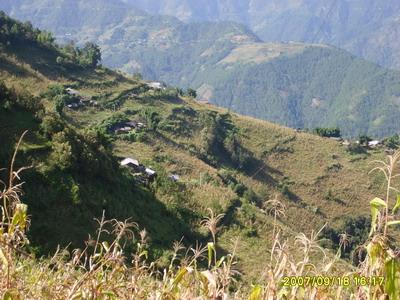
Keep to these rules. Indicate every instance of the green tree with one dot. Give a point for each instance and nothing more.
(90, 55)
(392, 142)
(51, 124)
(364, 139)
(62, 155)
(328, 132)
(152, 118)
(191, 93)
(59, 103)
(45, 38)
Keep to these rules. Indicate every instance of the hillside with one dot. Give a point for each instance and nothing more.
(227, 162)
(292, 84)
(368, 29)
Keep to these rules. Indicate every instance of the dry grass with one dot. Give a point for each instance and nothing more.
(103, 271)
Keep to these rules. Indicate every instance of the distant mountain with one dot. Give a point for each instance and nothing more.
(367, 28)
(293, 84)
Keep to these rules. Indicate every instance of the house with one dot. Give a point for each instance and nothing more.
(72, 92)
(151, 174)
(174, 177)
(132, 124)
(73, 105)
(346, 143)
(133, 164)
(156, 85)
(127, 126)
(374, 143)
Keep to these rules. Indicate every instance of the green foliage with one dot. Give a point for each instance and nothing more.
(392, 142)
(59, 103)
(364, 139)
(357, 228)
(220, 141)
(327, 132)
(62, 155)
(51, 124)
(191, 93)
(11, 99)
(89, 55)
(13, 33)
(54, 90)
(355, 148)
(152, 118)
(108, 124)
(45, 38)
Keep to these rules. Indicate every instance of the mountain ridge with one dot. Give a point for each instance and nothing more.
(344, 91)
(227, 162)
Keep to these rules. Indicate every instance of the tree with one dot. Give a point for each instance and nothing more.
(191, 93)
(59, 103)
(51, 124)
(152, 118)
(392, 142)
(4, 93)
(45, 38)
(62, 155)
(328, 132)
(364, 139)
(90, 55)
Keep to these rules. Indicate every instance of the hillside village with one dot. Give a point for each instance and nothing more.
(148, 190)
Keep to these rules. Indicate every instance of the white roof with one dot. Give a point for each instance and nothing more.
(373, 143)
(72, 91)
(174, 177)
(155, 85)
(150, 171)
(130, 161)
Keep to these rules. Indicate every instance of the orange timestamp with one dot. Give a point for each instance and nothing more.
(316, 281)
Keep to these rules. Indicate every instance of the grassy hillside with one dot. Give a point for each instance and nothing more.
(230, 163)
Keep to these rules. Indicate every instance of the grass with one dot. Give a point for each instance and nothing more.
(282, 157)
(102, 270)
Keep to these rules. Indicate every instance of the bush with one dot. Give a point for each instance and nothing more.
(327, 132)
(355, 148)
(51, 124)
(62, 155)
(392, 142)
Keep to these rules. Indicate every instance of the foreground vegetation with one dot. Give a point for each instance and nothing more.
(102, 270)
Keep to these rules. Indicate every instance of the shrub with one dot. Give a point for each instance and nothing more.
(355, 148)
(392, 142)
(51, 124)
(327, 132)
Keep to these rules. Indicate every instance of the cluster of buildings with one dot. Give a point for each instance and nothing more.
(78, 100)
(143, 174)
(126, 127)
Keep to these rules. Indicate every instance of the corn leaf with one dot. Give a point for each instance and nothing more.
(378, 203)
(19, 218)
(211, 248)
(3, 258)
(256, 293)
(392, 278)
(393, 223)
(375, 204)
(397, 206)
(182, 272)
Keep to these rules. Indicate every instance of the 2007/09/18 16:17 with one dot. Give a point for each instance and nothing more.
(332, 280)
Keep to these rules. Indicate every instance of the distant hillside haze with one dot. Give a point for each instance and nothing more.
(367, 28)
(290, 83)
